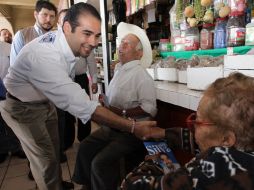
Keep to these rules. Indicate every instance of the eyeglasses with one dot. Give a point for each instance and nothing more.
(192, 121)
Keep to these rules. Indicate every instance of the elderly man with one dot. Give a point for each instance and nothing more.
(131, 94)
(41, 78)
(44, 14)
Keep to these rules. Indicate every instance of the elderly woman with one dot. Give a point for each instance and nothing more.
(224, 131)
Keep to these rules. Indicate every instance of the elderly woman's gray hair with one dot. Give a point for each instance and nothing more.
(231, 108)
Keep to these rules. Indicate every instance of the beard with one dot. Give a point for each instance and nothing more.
(47, 28)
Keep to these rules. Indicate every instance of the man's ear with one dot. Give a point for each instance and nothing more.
(66, 27)
(229, 139)
(140, 54)
(35, 14)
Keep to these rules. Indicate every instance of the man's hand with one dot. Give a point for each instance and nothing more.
(143, 129)
(94, 88)
(149, 131)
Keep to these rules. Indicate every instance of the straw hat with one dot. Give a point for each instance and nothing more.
(124, 29)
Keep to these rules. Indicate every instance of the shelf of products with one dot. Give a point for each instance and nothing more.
(212, 52)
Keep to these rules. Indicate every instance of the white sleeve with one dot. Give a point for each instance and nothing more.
(52, 79)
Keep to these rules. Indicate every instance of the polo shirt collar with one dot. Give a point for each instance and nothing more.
(130, 65)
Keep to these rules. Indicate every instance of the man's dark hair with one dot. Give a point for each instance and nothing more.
(3, 30)
(78, 9)
(45, 4)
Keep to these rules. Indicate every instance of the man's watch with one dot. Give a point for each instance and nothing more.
(124, 113)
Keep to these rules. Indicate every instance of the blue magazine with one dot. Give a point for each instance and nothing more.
(162, 155)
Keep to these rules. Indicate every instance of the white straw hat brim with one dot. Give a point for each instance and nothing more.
(124, 29)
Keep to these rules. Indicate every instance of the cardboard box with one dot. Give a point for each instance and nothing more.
(200, 78)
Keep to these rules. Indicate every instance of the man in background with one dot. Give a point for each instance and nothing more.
(5, 36)
(8, 140)
(45, 15)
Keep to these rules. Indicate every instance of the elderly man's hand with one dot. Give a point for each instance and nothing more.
(143, 129)
(147, 130)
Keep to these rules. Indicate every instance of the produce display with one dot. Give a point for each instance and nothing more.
(227, 19)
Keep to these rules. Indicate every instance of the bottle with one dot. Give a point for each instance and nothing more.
(206, 36)
(220, 33)
(192, 39)
(236, 29)
(249, 39)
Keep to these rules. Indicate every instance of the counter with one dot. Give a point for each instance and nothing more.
(178, 94)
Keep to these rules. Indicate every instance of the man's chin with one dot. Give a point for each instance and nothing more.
(85, 54)
(47, 28)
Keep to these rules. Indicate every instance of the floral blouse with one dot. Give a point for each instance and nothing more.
(219, 168)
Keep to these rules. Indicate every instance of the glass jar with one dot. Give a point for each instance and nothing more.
(191, 39)
(236, 30)
(206, 36)
(249, 39)
(220, 31)
(164, 45)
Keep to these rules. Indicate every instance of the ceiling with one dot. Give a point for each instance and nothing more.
(14, 10)
(29, 4)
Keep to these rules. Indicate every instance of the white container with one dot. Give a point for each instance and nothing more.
(200, 78)
(152, 73)
(168, 74)
(249, 73)
(182, 76)
(239, 61)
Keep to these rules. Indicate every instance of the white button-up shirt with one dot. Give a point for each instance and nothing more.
(5, 49)
(43, 70)
(131, 87)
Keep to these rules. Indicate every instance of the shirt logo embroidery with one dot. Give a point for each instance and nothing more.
(49, 38)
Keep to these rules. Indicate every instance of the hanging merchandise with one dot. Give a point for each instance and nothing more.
(206, 36)
(119, 9)
(177, 25)
(220, 39)
(221, 8)
(236, 30)
(198, 10)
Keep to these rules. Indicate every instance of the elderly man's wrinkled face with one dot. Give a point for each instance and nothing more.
(206, 136)
(6, 36)
(45, 18)
(128, 50)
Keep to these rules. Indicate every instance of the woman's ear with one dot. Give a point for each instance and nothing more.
(229, 139)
